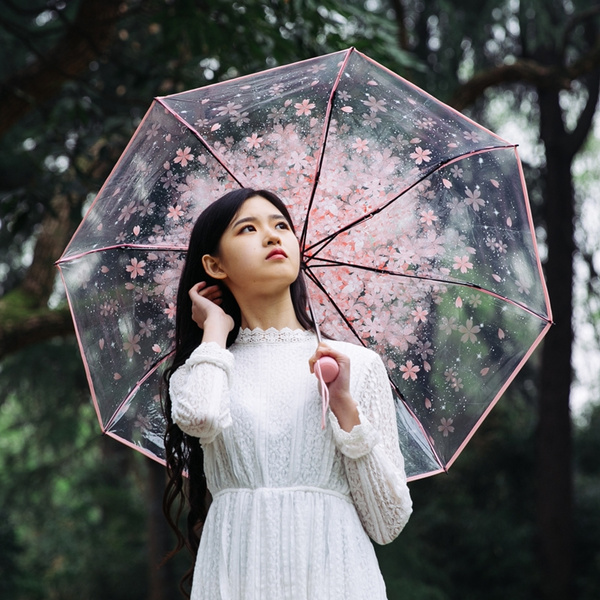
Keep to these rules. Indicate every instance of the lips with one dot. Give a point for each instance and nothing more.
(277, 252)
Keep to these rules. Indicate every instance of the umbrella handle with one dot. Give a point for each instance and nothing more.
(328, 369)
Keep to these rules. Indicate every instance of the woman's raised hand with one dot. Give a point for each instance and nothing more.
(208, 315)
(340, 400)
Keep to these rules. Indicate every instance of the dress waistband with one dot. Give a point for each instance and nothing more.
(299, 488)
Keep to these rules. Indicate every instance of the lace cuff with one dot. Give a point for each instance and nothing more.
(357, 442)
(200, 392)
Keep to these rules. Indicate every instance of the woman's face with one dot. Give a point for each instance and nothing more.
(258, 251)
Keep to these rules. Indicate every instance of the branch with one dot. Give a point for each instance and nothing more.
(85, 40)
(526, 71)
(21, 328)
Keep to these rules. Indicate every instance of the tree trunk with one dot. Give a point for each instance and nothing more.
(554, 444)
(161, 578)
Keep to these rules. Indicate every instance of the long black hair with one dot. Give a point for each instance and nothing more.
(183, 452)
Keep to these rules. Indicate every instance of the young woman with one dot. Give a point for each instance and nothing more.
(292, 504)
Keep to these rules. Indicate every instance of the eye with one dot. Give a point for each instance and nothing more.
(283, 225)
(247, 228)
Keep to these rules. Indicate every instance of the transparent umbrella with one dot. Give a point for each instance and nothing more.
(416, 236)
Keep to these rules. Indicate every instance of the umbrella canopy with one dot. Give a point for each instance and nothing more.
(416, 236)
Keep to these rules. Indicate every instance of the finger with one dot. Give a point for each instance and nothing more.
(211, 293)
(196, 289)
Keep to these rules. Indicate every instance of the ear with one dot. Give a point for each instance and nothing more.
(212, 266)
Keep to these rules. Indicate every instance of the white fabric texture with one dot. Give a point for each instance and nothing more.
(292, 502)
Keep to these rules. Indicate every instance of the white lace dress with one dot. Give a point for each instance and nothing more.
(292, 503)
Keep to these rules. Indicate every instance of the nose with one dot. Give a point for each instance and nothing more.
(272, 238)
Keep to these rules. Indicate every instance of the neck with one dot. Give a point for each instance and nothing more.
(264, 313)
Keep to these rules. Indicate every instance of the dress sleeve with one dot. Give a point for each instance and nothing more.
(373, 461)
(199, 392)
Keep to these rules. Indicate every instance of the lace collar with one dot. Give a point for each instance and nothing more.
(273, 336)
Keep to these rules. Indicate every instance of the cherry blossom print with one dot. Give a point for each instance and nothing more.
(231, 108)
(456, 384)
(175, 212)
(457, 172)
(316, 68)
(419, 314)
(409, 370)
(240, 119)
(184, 156)
(420, 155)
(146, 328)
(153, 130)
(170, 310)
(136, 268)
(375, 105)
(127, 212)
(446, 426)
(469, 331)
(146, 208)
(462, 263)
(132, 345)
(360, 145)
(471, 136)
(426, 123)
(304, 108)
(275, 89)
(522, 287)
(473, 199)
(428, 217)
(276, 115)
(370, 120)
(254, 141)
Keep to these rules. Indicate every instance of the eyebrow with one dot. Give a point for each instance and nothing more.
(274, 217)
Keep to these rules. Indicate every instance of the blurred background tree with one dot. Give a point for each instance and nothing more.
(518, 515)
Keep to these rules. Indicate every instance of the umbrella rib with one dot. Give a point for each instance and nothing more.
(316, 281)
(202, 140)
(325, 262)
(323, 243)
(136, 387)
(328, 115)
(72, 257)
(426, 436)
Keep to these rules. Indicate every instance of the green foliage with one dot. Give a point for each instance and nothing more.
(74, 523)
(587, 488)
(471, 533)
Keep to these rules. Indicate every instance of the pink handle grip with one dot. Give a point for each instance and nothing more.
(328, 367)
